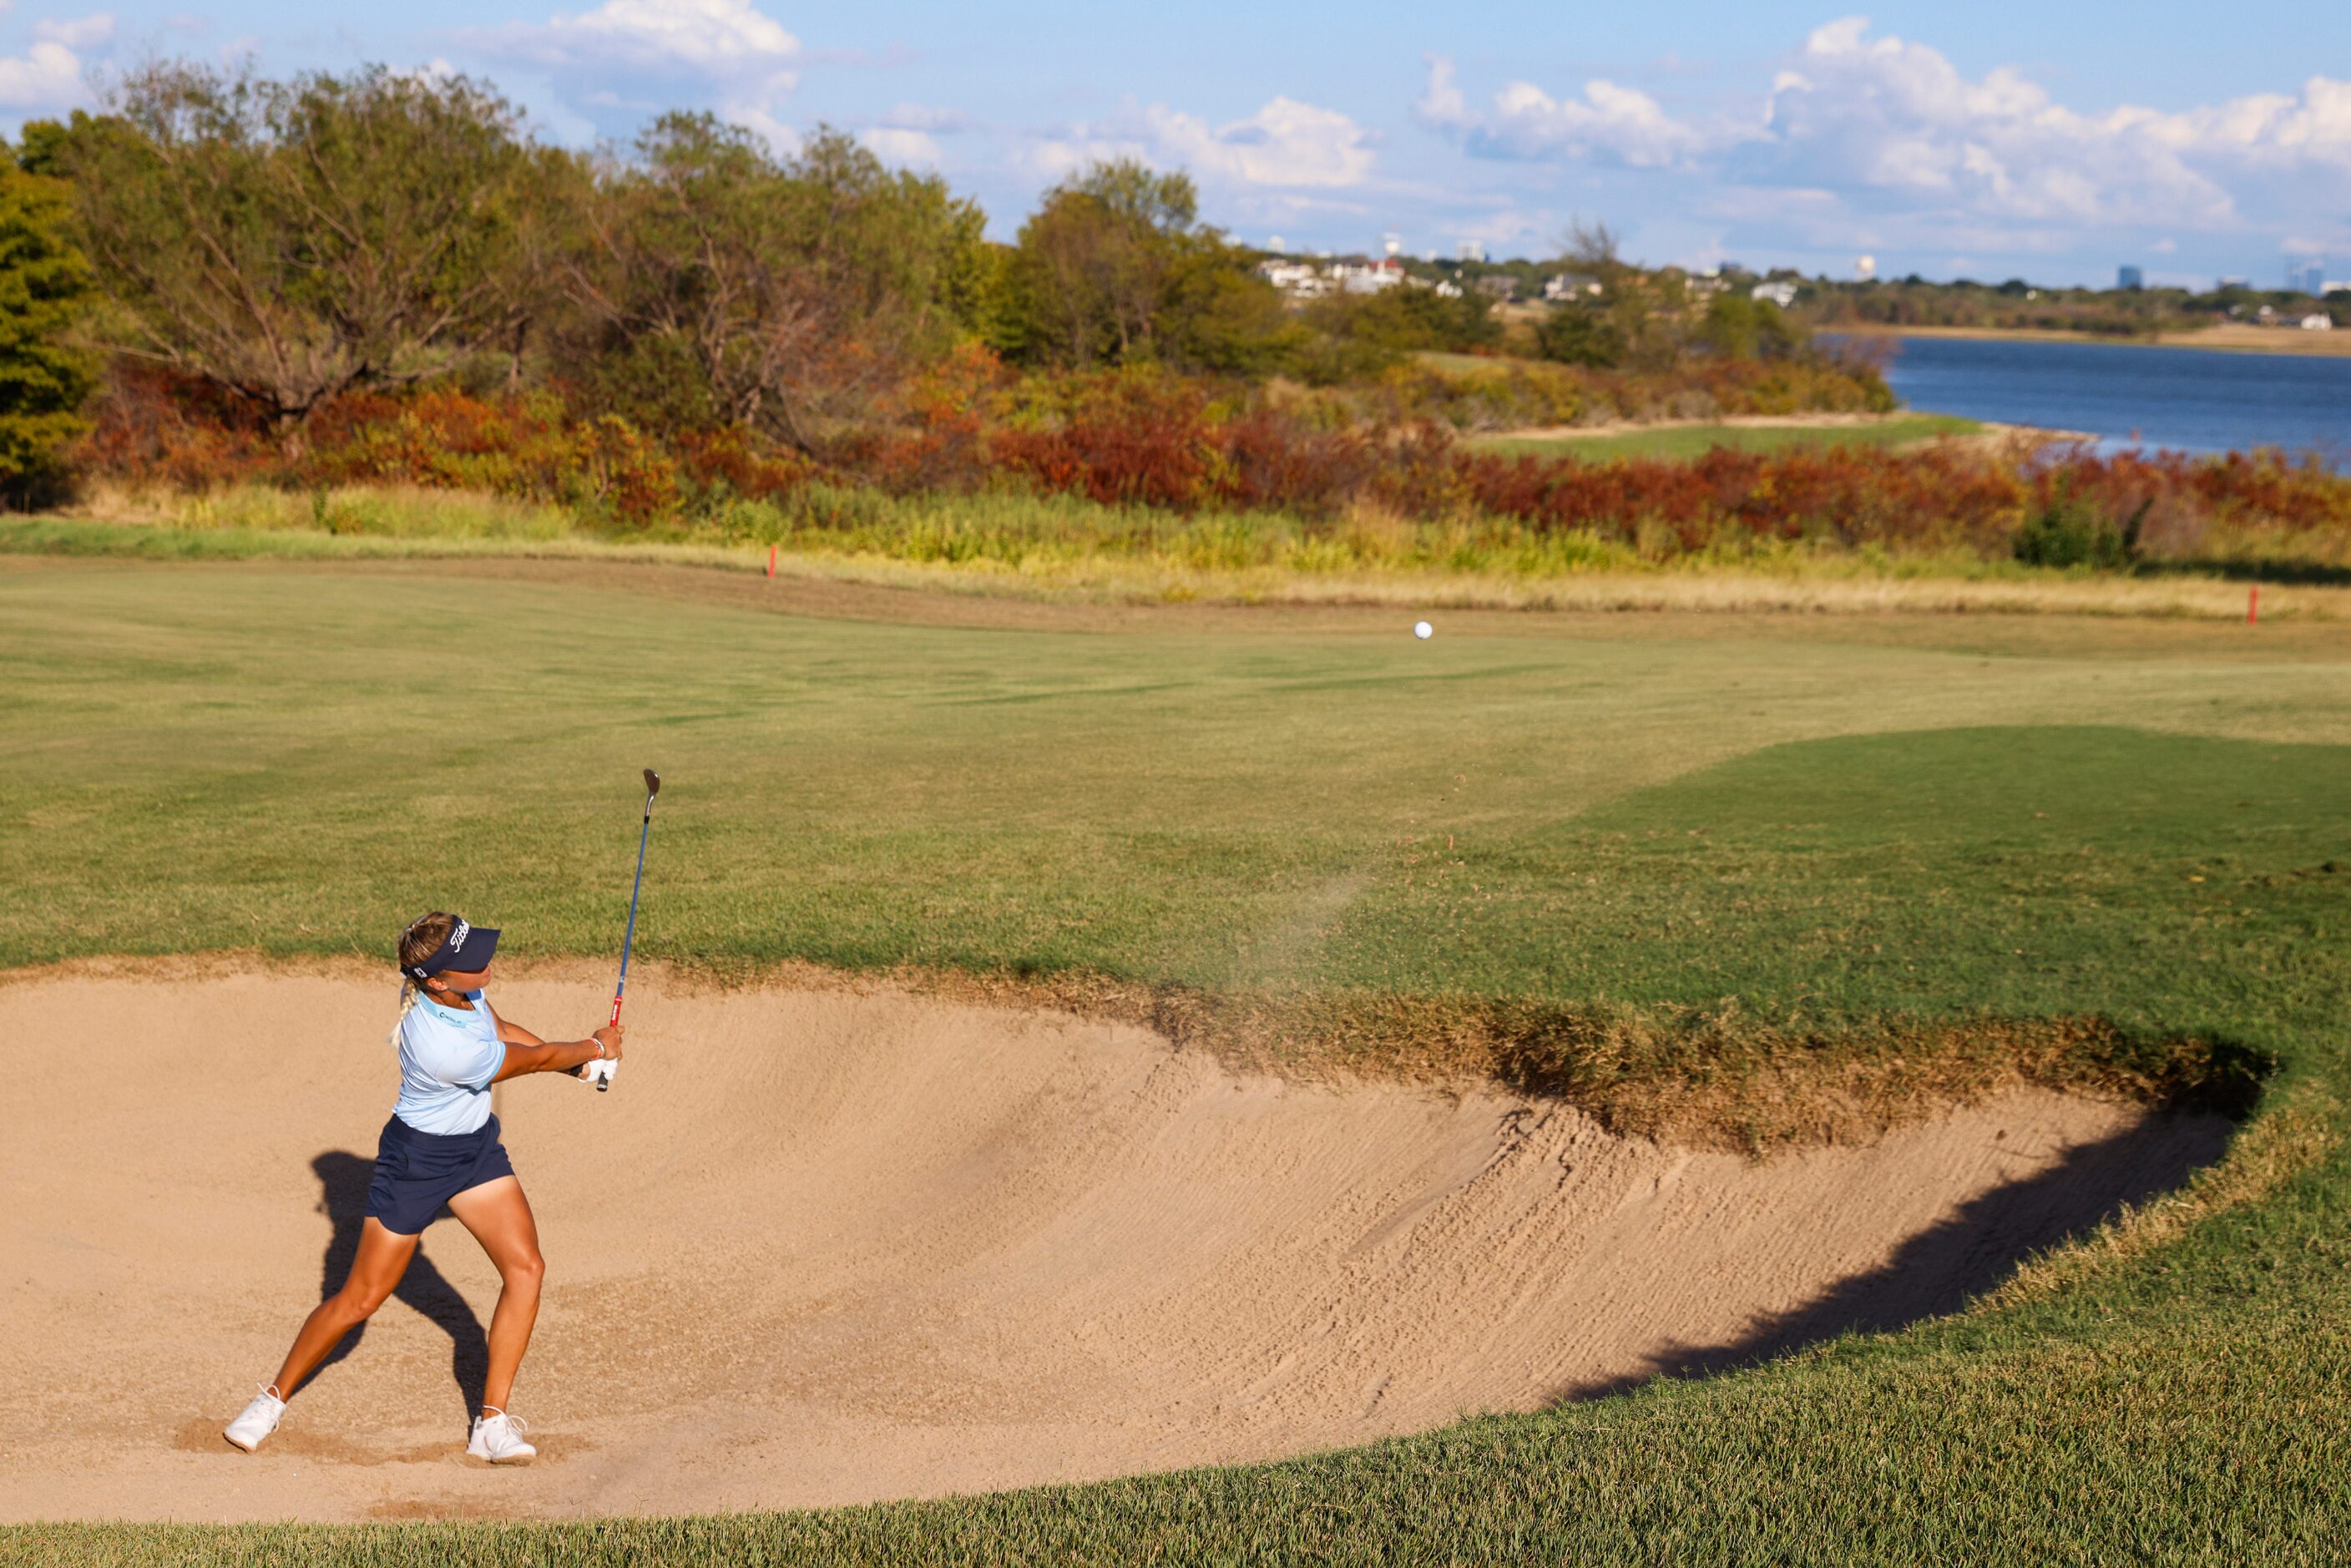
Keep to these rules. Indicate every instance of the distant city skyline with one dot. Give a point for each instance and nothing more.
(2057, 144)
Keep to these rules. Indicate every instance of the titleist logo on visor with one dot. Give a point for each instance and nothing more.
(467, 947)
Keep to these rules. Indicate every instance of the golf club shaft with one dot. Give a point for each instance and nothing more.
(629, 937)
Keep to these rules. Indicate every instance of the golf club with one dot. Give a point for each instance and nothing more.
(653, 787)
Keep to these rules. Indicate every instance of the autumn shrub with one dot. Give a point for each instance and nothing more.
(150, 428)
(1156, 455)
(1509, 394)
(1138, 439)
(2070, 531)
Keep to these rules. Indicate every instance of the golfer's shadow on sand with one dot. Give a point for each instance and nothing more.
(1940, 1269)
(343, 1182)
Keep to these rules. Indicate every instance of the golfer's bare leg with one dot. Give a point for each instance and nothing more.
(382, 1259)
(500, 1218)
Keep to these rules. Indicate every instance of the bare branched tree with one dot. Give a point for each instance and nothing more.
(792, 291)
(288, 242)
(1593, 248)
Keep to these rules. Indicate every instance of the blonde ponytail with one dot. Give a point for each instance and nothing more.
(418, 943)
(408, 995)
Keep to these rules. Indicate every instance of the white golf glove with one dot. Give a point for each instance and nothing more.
(600, 1071)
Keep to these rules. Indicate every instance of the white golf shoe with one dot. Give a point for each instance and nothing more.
(260, 1419)
(498, 1439)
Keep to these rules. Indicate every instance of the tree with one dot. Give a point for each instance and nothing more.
(1114, 267)
(1738, 326)
(1408, 318)
(1579, 334)
(725, 288)
(290, 241)
(1093, 262)
(46, 287)
(1218, 313)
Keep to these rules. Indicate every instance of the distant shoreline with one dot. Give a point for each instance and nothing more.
(2228, 340)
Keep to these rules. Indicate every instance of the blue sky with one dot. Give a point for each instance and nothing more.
(2004, 139)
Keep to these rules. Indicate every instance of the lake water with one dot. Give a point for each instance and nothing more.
(2193, 400)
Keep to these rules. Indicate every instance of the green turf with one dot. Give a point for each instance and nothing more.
(1817, 820)
(1681, 443)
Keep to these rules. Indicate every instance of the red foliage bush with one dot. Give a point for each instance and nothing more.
(1854, 496)
(1128, 440)
(155, 428)
(1150, 439)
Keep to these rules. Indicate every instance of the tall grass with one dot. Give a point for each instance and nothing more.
(374, 511)
(1690, 441)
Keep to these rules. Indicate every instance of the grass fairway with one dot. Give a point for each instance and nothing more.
(1680, 442)
(1813, 823)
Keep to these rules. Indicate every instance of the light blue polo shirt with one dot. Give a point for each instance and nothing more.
(447, 1060)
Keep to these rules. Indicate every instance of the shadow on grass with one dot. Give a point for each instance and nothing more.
(2296, 573)
(343, 1183)
(1940, 1269)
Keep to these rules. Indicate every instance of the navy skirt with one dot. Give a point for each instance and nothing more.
(416, 1172)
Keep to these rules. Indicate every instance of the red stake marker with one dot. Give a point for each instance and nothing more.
(771, 561)
(2253, 605)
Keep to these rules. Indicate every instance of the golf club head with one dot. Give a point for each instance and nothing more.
(652, 783)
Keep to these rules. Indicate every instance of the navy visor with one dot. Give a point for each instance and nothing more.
(465, 949)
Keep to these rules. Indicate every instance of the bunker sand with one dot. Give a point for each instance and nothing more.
(824, 1246)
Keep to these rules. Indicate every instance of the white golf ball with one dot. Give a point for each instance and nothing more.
(1423, 630)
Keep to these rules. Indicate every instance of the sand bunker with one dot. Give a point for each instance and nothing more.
(818, 1246)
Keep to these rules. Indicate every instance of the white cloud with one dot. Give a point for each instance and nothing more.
(898, 144)
(47, 77)
(1286, 144)
(1885, 138)
(1610, 122)
(924, 118)
(1513, 225)
(783, 140)
(1899, 119)
(722, 39)
(75, 33)
(2270, 128)
(628, 58)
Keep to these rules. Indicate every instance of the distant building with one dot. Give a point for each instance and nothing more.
(2318, 321)
(1782, 293)
(1865, 267)
(2129, 277)
(1370, 278)
(1500, 286)
(2307, 278)
(1568, 285)
(1471, 250)
(1298, 280)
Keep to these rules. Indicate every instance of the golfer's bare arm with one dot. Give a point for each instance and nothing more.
(526, 1052)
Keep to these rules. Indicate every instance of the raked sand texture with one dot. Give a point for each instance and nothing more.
(824, 1246)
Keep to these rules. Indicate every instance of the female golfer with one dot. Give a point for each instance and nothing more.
(441, 1146)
